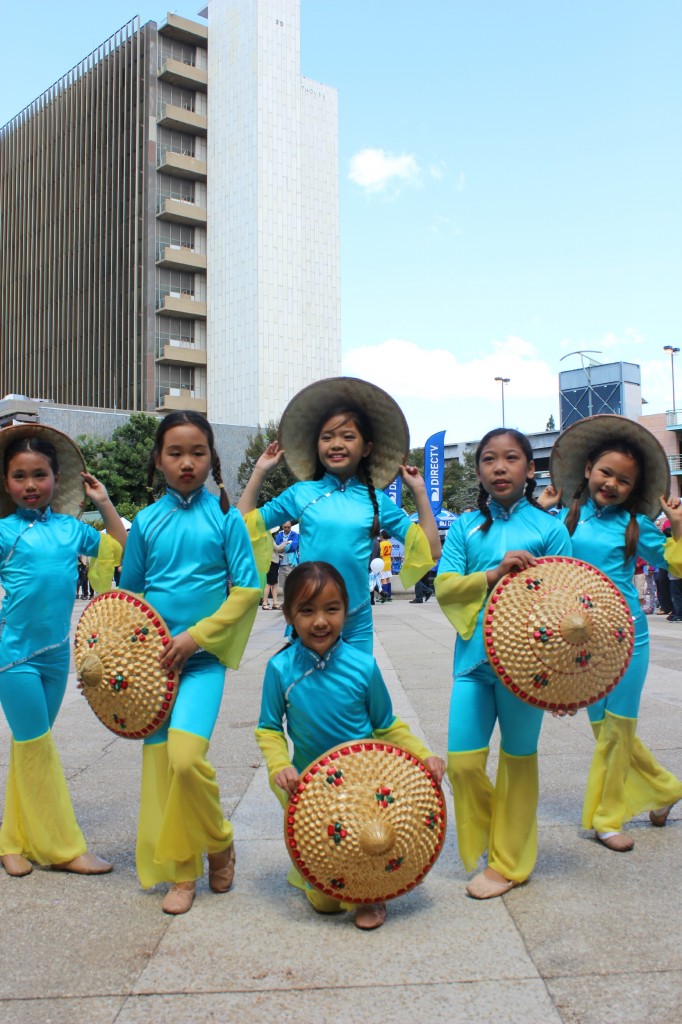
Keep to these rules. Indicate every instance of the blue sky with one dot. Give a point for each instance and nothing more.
(510, 176)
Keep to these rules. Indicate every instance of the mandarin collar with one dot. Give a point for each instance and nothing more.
(341, 485)
(316, 660)
(185, 501)
(593, 509)
(500, 512)
(35, 515)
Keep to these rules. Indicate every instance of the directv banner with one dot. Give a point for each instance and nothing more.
(434, 464)
(395, 491)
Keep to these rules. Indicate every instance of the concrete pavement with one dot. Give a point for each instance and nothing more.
(593, 938)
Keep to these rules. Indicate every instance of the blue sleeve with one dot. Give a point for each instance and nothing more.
(379, 706)
(88, 540)
(133, 573)
(281, 508)
(293, 541)
(651, 543)
(394, 520)
(454, 557)
(559, 542)
(272, 707)
(241, 565)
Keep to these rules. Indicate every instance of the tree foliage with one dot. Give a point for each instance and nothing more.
(460, 486)
(275, 482)
(550, 423)
(121, 462)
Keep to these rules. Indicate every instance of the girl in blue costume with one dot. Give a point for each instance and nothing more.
(344, 439)
(181, 551)
(509, 531)
(39, 547)
(330, 693)
(616, 470)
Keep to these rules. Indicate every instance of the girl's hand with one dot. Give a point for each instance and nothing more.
(95, 491)
(513, 560)
(271, 457)
(412, 478)
(288, 779)
(436, 766)
(549, 497)
(175, 654)
(673, 509)
(565, 713)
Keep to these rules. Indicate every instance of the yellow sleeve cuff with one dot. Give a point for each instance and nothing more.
(225, 633)
(673, 556)
(461, 599)
(400, 735)
(261, 542)
(275, 750)
(418, 558)
(101, 570)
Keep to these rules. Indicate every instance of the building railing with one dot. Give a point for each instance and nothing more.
(675, 463)
(673, 418)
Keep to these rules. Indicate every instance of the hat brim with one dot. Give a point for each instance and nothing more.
(303, 416)
(574, 446)
(69, 496)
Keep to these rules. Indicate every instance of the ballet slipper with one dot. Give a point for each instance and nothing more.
(179, 898)
(660, 817)
(615, 841)
(86, 864)
(221, 869)
(489, 884)
(370, 917)
(16, 865)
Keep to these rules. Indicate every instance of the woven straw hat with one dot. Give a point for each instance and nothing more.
(366, 824)
(69, 497)
(303, 416)
(559, 635)
(119, 638)
(574, 446)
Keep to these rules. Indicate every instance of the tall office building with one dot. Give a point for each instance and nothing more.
(169, 222)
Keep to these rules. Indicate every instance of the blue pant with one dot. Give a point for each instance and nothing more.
(31, 694)
(479, 700)
(197, 704)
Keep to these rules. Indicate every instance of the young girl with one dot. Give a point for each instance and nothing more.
(507, 532)
(346, 702)
(343, 451)
(615, 471)
(39, 549)
(181, 551)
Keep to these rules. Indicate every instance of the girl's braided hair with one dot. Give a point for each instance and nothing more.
(483, 496)
(196, 419)
(630, 504)
(354, 414)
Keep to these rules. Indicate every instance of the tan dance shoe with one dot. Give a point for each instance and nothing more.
(615, 841)
(371, 916)
(16, 865)
(489, 884)
(179, 898)
(86, 864)
(660, 817)
(221, 869)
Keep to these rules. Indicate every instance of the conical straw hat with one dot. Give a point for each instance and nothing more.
(367, 822)
(69, 496)
(559, 635)
(119, 638)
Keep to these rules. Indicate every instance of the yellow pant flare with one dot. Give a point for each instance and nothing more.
(513, 846)
(473, 793)
(180, 813)
(38, 819)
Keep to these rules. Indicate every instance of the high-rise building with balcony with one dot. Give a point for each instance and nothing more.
(169, 222)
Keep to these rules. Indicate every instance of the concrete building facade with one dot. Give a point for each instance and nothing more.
(169, 223)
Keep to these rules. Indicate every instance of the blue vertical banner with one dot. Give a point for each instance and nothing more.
(395, 491)
(434, 465)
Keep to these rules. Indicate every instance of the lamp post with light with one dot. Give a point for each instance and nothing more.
(672, 350)
(503, 381)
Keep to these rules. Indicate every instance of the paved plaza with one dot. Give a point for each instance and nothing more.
(595, 936)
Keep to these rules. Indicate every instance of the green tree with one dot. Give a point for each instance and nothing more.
(280, 478)
(550, 423)
(462, 484)
(121, 462)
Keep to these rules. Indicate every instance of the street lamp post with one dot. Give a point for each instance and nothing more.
(503, 381)
(672, 350)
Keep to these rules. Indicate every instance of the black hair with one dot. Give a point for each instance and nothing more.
(39, 445)
(196, 419)
(632, 502)
(357, 416)
(306, 581)
(526, 447)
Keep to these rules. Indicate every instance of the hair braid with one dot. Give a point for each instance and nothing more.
(365, 475)
(631, 534)
(528, 494)
(218, 477)
(571, 520)
(483, 508)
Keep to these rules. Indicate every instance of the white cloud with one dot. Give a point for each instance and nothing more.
(437, 171)
(375, 170)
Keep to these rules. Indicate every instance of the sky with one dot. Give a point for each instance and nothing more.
(510, 187)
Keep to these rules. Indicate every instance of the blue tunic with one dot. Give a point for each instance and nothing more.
(180, 553)
(39, 573)
(335, 518)
(338, 698)
(468, 550)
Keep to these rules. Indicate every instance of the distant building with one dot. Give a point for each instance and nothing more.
(169, 223)
(600, 388)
